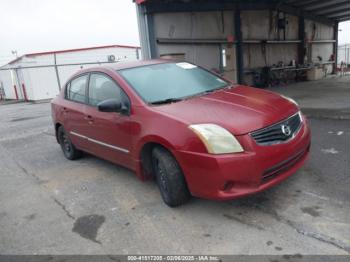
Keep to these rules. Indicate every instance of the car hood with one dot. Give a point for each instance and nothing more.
(240, 109)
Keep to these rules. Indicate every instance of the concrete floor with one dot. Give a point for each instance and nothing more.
(49, 205)
(328, 98)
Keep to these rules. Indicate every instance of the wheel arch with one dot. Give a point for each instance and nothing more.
(57, 126)
(144, 155)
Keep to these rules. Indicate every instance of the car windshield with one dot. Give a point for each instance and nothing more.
(171, 82)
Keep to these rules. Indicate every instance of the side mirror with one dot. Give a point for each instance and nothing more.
(110, 105)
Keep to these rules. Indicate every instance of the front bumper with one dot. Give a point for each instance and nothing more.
(230, 176)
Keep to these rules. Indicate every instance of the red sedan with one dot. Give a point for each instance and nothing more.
(193, 131)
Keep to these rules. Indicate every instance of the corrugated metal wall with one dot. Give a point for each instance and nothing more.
(173, 32)
(210, 28)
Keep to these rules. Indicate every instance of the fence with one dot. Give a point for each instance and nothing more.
(344, 58)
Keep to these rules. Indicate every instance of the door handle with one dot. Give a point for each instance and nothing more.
(64, 110)
(89, 118)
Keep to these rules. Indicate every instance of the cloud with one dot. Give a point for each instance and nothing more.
(37, 25)
(344, 34)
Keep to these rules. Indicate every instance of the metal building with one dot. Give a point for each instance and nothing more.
(247, 41)
(39, 76)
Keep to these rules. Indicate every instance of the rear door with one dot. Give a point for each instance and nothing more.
(73, 110)
(108, 132)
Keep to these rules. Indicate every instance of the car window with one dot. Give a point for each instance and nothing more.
(77, 89)
(101, 88)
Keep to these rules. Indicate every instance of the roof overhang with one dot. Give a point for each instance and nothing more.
(324, 11)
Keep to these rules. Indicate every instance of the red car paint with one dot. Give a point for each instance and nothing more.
(240, 110)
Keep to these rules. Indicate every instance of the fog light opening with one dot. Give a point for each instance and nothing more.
(228, 186)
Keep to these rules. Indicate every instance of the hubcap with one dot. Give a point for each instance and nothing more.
(66, 143)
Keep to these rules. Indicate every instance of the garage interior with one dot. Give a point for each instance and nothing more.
(259, 43)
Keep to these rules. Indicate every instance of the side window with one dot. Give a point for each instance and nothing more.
(101, 88)
(76, 89)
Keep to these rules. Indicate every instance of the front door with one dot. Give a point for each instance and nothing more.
(108, 132)
(73, 111)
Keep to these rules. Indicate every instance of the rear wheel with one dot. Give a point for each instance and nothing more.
(170, 179)
(69, 150)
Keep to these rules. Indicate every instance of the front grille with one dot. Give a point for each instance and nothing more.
(278, 133)
(284, 166)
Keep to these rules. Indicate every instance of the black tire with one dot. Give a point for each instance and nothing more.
(169, 177)
(69, 150)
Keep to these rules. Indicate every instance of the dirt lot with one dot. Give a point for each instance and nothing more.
(49, 205)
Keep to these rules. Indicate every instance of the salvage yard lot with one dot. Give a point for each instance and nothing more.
(49, 205)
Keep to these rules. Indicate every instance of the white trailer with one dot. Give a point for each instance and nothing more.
(40, 76)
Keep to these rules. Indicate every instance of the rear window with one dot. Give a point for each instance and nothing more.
(76, 89)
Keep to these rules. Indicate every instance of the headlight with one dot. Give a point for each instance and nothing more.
(290, 100)
(216, 139)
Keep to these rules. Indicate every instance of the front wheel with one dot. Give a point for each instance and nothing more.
(170, 179)
(69, 150)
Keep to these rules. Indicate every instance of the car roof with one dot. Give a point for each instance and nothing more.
(121, 65)
(133, 64)
(124, 65)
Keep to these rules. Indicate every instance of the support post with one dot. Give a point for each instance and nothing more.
(239, 45)
(19, 85)
(137, 54)
(146, 31)
(24, 92)
(16, 93)
(57, 73)
(302, 45)
(335, 47)
(141, 20)
(151, 35)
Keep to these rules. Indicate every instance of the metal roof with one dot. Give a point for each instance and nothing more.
(328, 11)
(336, 10)
(71, 51)
(82, 49)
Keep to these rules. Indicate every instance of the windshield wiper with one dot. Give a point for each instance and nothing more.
(166, 101)
(208, 92)
(213, 90)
